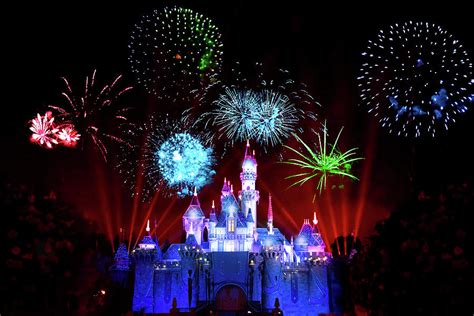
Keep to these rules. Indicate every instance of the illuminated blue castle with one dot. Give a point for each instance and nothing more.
(239, 266)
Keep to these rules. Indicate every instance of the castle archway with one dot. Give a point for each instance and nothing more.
(231, 298)
(205, 234)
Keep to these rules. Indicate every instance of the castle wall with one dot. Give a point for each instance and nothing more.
(143, 289)
(301, 289)
(229, 268)
(168, 285)
(304, 292)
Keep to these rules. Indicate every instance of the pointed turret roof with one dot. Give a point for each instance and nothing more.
(305, 235)
(229, 204)
(308, 236)
(315, 224)
(121, 253)
(212, 215)
(191, 240)
(194, 209)
(226, 186)
(249, 160)
(147, 242)
(121, 259)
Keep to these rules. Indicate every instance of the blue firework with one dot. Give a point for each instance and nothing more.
(184, 162)
(416, 78)
(267, 117)
(168, 156)
(265, 105)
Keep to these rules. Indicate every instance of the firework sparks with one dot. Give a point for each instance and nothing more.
(416, 78)
(96, 114)
(69, 136)
(173, 51)
(174, 159)
(324, 161)
(267, 117)
(44, 131)
(262, 106)
(184, 163)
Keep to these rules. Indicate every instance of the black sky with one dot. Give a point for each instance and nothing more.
(319, 42)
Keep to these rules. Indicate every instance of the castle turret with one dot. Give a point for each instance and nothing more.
(316, 244)
(189, 254)
(145, 257)
(195, 217)
(212, 228)
(272, 276)
(248, 195)
(120, 269)
(225, 189)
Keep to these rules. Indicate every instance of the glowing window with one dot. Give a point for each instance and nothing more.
(231, 225)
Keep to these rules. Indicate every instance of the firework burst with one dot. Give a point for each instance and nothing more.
(68, 136)
(173, 51)
(44, 132)
(95, 113)
(324, 161)
(252, 106)
(416, 78)
(266, 117)
(174, 159)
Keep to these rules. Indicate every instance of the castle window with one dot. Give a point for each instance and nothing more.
(231, 225)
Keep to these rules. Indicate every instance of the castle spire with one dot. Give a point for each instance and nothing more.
(148, 227)
(315, 220)
(212, 215)
(248, 195)
(270, 215)
(225, 188)
(195, 199)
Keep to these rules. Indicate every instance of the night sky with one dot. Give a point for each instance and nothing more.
(319, 44)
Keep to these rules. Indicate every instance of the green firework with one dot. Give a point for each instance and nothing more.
(323, 161)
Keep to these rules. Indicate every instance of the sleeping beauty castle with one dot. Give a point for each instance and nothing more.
(228, 264)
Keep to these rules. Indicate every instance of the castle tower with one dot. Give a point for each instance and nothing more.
(270, 215)
(225, 189)
(248, 195)
(189, 254)
(317, 245)
(193, 219)
(145, 257)
(121, 267)
(272, 276)
(212, 228)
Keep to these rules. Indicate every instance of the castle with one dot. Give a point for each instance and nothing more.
(240, 267)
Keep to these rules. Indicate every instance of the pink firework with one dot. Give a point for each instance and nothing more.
(44, 131)
(68, 136)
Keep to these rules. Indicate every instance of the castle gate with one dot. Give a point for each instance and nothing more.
(231, 298)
